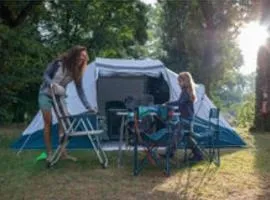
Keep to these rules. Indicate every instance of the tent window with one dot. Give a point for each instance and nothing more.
(159, 88)
(117, 88)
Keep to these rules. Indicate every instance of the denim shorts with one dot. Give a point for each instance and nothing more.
(45, 102)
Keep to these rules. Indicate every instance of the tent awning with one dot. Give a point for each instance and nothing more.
(131, 64)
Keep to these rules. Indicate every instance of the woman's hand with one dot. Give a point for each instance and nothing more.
(165, 104)
(58, 89)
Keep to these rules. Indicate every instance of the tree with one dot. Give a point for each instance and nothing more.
(220, 16)
(174, 26)
(32, 33)
(22, 57)
(107, 28)
(154, 43)
(196, 34)
(261, 120)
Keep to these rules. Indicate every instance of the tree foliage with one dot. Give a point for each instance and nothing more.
(236, 97)
(246, 112)
(107, 28)
(23, 58)
(198, 36)
(188, 35)
(13, 13)
(34, 32)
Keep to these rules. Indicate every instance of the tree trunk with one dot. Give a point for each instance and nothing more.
(209, 37)
(262, 120)
(207, 61)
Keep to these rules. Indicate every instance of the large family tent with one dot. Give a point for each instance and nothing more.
(107, 82)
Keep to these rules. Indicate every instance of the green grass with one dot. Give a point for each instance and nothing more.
(243, 174)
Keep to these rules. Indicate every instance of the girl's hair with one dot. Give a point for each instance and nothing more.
(188, 83)
(72, 63)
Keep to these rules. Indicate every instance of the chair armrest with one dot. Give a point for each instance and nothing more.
(81, 133)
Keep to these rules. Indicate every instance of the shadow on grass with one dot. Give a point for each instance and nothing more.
(186, 181)
(205, 176)
(191, 179)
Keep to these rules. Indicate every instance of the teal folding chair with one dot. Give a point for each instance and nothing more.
(206, 141)
(150, 139)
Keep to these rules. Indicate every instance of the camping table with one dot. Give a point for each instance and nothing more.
(123, 113)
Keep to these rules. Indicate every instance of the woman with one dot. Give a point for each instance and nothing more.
(66, 68)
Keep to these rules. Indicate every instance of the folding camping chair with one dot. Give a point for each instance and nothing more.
(74, 126)
(205, 141)
(150, 139)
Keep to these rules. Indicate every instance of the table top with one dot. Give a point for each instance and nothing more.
(125, 112)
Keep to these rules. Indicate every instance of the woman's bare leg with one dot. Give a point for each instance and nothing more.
(47, 118)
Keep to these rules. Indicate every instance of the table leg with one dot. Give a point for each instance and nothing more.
(120, 153)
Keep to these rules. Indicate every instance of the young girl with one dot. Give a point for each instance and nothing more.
(186, 107)
(66, 68)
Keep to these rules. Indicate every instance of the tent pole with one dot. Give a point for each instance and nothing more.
(25, 142)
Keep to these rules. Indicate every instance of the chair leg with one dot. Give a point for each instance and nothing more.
(101, 154)
(135, 161)
(218, 162)
(167, 167)
(59, 151)
(185, 149)
(216, 157)
(169, 151)
(102, 157)
(214, 153)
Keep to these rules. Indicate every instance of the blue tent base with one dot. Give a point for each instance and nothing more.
(228, 138)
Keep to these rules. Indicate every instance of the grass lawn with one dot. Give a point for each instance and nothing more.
(243, 174)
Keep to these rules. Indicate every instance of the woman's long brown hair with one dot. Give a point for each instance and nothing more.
(188, 84)
(72, 63)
